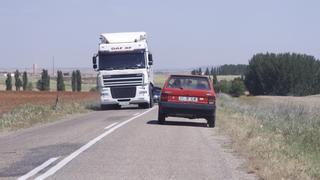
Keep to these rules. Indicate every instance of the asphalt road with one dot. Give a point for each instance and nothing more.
(119, 144)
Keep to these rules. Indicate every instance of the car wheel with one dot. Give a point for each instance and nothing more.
(161, 117)
(211, 121)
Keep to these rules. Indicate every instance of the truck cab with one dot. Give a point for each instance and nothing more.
(124, 66)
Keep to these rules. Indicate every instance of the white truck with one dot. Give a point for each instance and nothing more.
(124, 66)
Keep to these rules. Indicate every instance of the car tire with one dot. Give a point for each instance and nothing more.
(211, 121)
(161, 117)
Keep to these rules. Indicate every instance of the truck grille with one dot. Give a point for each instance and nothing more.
(123, 80)
(123, 92)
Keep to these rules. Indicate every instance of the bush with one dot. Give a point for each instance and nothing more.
(18, 82)
(29, 86)
(237, 87)
(94, 89)
(225, 86)
(9, 82)
(60, 82)
(44, 83)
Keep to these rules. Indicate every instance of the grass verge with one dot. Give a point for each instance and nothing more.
(280, 139)
(28, 115)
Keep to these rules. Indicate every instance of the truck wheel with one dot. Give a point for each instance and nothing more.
(211, 121)
(161, 117)
(151, 100)
(104, 107)
(144, 105)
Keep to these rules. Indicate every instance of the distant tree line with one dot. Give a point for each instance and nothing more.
(227, 69)
(283, 74)
(43, 84)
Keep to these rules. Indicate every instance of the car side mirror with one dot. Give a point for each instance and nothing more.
(150, 59)
(94, 62)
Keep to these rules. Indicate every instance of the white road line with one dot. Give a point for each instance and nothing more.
(38, 169)
(111, 125)
(136, 114)
(69, 158)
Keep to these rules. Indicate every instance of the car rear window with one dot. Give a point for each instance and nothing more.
(184, 82)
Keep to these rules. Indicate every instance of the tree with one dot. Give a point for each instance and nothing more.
(9, 82)
(24, 80)
(200, 71)
(18, 82)
(44, 83)
(283, 74)
(207, 72)
(74, 81)
(78, 80)
(60, 82)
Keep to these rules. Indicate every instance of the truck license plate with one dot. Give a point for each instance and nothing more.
(188, 99)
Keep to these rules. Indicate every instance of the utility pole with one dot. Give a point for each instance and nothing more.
(53, 66)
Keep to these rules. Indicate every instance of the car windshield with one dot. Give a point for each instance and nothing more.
(199, 83)
(110, 61)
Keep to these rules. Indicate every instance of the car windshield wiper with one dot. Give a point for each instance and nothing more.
(119, 68)
(132, 67)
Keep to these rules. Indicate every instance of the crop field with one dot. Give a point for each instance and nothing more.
(279, 135)
(10, 100)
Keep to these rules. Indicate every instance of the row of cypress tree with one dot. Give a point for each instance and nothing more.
(43, 84)
(18, 82)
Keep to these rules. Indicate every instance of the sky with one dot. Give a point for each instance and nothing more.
(181, 34)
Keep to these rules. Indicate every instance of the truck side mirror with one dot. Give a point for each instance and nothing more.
(94, 62)
(150, 59)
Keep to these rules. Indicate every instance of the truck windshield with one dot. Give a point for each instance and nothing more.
(110, 61)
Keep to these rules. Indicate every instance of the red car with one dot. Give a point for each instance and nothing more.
(188, 96)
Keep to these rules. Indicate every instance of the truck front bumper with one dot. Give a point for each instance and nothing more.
(141, 97)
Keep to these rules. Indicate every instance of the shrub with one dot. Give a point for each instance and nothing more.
(44, 83)
(29, 86)
(225, 86)
(9, 82)
(18, 82)
(60, 82)
(237, 87)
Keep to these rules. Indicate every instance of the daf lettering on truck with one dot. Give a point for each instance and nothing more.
(124, 66)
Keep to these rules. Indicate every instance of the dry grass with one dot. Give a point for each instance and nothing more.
(159, 79)
(26, 108)
(28, 115)
(280, 136)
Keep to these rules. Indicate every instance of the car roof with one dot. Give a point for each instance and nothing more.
(187, 75)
